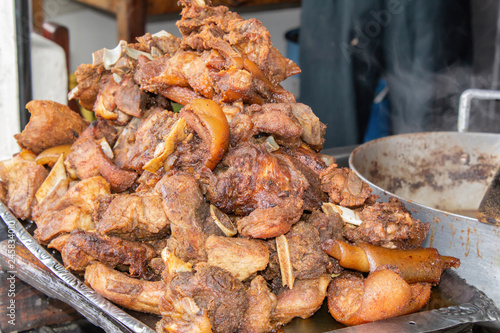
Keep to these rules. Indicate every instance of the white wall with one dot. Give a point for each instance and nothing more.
(9, 104)
(91, 30)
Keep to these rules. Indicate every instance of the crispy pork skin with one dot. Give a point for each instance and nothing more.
(85, 247)
(118, 287)
(51, 124)
(353, 300)
(135, 216)
(21, 179)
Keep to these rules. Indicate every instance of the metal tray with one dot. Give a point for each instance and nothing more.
(454, 303)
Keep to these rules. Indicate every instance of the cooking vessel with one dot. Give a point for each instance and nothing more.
(441, 178)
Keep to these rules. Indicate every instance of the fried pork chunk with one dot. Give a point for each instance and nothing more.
(239, 256)
(21, 179)
(306, 256)
(187, 212)
(51, 124)
(138, 140)
(88, 157)
(261, 304)
(70, 210)
(303, 300)
(135, 216)
(216, 28)
(118, 287)
(388, 224)
(213, 290)
(344, 187)
(266, 189)
(221, 57)
(82, 248)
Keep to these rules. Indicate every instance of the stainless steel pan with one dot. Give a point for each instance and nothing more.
(441, 178)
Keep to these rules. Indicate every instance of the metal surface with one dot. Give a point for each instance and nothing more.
(124, 321)
(465, 104)
(454, 303)
(441, 177)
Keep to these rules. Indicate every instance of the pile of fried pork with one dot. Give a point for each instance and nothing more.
(220, 216)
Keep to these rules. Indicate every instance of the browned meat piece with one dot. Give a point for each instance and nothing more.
(344, 187)
(87, 159)
(313, 129)
(313, 195)
(118, 287)
(353, 300)
(271, 222)
(73, 210)
(163, 41)
(117, 101)
(307, 258)
(302, 301)
(82, 248)
(205, 27)
(210, 76)
(261, 303)
(187, 211)
(214, 290)
(276, 119)
(136, 216)
(307, 157)
(90, 79)
(21, 179)
(388, 224)
(250, 180)
(138, 140)
(182, 315)
(330, 226)
(239, 256)
(3, 192)
(51, 124)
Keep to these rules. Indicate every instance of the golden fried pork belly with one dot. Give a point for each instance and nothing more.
(216, 28)
(21, 179)
(51, 124)
(135, 294)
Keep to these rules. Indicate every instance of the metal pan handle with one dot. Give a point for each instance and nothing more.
(465, 104)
